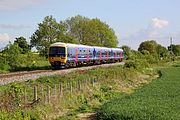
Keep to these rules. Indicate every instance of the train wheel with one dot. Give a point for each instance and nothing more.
(67, 65)
(74, 64)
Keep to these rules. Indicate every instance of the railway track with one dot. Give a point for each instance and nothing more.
(31, 75)
(6, 75)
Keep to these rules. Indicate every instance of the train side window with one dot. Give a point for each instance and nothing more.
(98, 53)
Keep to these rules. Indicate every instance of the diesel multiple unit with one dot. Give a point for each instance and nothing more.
(64, 55)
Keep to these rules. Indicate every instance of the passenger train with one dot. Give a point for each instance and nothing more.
(65, 55)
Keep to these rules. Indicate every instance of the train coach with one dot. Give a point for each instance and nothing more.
(64, 55)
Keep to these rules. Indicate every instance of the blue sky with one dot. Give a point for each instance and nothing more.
(133, 20)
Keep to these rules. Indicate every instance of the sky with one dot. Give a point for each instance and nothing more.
(133, 21)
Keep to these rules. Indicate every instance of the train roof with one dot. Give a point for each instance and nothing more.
(68, 44)
(58, 44)
(79, 45)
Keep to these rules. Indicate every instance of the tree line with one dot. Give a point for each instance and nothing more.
(151, 47)
(78, 29)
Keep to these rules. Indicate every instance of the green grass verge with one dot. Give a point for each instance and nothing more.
(159, 100)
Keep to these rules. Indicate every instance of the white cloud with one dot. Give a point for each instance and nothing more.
(158, 23)
(17, 4)
(4, 37)
(154, 31)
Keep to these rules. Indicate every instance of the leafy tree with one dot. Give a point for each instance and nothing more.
(4, 63)
(135, 55)
(161, 51)
(101, 34)
(48, 32)
(12, 55)
(21, 41)
(149, 46)
(90, 31)
(145, 52)
(75, 27)
(153, 51)
(127, 51)
(175, 49)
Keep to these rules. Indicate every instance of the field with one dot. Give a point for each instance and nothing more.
(159, 100)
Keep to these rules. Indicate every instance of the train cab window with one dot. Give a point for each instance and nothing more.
(57, 51)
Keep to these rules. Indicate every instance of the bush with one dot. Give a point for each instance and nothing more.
(131, 64)
(20, 115)
(136, 64)
(3, 64)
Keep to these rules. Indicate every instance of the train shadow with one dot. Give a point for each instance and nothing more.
(32, 68)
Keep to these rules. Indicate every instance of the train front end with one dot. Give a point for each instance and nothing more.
(58, 55)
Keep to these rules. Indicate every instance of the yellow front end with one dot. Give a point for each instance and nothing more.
(58, 55)
(58, 59)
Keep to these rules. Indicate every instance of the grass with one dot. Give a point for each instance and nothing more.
(110, 81)
(159, 100)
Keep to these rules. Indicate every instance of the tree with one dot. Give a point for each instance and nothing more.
(149, 46)
(22, 43)
(175, 49)
(48, 32)
(101, 34)
(161, 51)
(90, 31)
(127, 51)
(154, 49)
(12, 55)
(75, 27)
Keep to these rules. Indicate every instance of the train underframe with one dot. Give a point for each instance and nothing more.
(70, 64)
